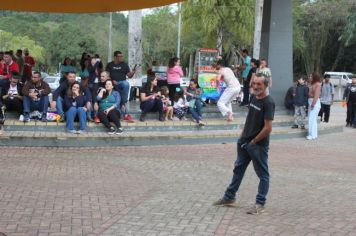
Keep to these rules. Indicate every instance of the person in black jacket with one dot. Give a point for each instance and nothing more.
(60, 93)
(11, 95)
(300, 101)
(75, 106)
(350, 99)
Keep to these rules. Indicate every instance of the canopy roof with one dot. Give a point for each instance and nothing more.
(80, 6)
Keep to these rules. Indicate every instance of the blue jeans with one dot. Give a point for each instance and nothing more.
(196, 111)
(123, 87)
(30, 105)
(152, 105)
(59, 105)
(74, 112)
(259, 157)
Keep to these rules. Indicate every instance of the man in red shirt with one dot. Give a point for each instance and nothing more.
(9, 67)
(29, 63)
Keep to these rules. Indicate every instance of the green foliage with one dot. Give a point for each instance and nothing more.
(69, 41)
(234, 17)
(10, 42)
(160, 32)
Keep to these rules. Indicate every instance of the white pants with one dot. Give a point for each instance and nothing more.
(312, 118)
(224, 103)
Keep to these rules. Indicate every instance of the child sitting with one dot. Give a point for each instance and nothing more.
(167, 104)
(181, 104)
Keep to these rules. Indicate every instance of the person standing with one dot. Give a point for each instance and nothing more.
(246, 67)
(326, 98)
(314, 106)
(29, 64)
(350, 99)
(300, 101)
(253, 145)
(174, 73)
(119, 71)
(20, 61)
(231, 91)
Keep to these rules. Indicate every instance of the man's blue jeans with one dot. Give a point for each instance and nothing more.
(259, 157)
(123, 87)
(246, 90)
(196, 111)
(30, 105)
(59, 105)
(74, 112)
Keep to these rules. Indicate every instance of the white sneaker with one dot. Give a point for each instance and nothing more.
(309, 137)
(21, 118)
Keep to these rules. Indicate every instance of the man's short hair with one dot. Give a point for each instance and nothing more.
(71, 72)
(8, 53)
(265, 81)
(327, 76)
(116, 53)
(37, 73)
(245, 51)
(220, 62)
(19, 51)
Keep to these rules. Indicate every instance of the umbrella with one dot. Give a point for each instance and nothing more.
(80, 6)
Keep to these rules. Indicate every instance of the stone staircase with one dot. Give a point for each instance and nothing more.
(150, 132)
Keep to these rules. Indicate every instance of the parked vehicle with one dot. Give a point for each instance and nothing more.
(339, 79)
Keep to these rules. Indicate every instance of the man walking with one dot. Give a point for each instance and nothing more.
(350, 99)
(253, 146)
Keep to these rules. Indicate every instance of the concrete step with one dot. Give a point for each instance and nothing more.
(96, 139)
(147, 126)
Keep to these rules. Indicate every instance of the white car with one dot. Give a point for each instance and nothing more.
(339, 78)
(52, 81)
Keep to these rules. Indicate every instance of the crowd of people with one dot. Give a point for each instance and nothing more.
(100, 96)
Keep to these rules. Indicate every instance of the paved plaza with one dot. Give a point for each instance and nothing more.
(169, 190)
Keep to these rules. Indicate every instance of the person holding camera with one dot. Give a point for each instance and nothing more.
(11, 95)
(109, 105)
(35, 97)
(253, 146)
(151, 99)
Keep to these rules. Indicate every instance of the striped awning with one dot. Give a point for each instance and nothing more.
(80, 6)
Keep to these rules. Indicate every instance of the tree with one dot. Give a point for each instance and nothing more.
(70, 41)
(10, 42)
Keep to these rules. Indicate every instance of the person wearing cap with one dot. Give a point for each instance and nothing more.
(231, 91)
(11, 95)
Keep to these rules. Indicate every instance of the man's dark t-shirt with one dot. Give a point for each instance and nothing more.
(259, 111)
(119, 71)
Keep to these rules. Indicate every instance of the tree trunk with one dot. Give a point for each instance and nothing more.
(135, 40)
(219, 38)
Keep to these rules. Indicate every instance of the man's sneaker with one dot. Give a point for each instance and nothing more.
(112, 130)
(161, 117)
(72, 131)
(80, 131)
(44, 118)
(295, 127)
(26, 117)
(128, 118)
(224, 202)
(256, 209)
(142, 117)
(302, 127)
(309, 137)
(119, 131)
(62, 119)
(97, 120)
